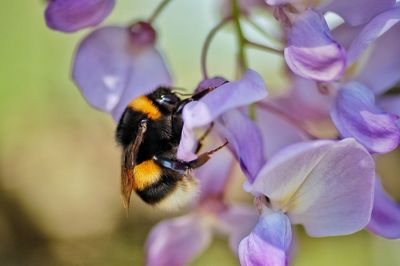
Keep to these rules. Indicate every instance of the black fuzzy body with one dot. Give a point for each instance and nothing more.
(161, 139)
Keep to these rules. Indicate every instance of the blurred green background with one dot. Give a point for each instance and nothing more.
(59, 164)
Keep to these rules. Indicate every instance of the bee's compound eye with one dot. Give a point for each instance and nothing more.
(169, 100)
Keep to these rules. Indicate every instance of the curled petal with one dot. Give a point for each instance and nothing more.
(228, 96)
(245, 140)
(268, 243)
(355, 115)
(385, 218)
(73, 15)
(373, 30)
(111, 69)
(326, 186)
(357, 12)
(177, 241)
(382, 67)
(214, 82)
(311, 51)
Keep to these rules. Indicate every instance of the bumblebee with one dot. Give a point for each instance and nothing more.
(149, 133)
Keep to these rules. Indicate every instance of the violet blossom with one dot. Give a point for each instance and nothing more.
(73, 15)
(326, 186)
(114, 65)
(311, 51)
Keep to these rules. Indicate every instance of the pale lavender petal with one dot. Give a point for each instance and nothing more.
(110, 69)
(357, 12)
(311, 52)
(326, 186)
(214, 82)
(277, 132)
(230, 95)
(249, 89)
(177, 241)
(237, 222)
(245, 140)
(73, 15)
(187, 145)
(356, 115)
(268, 243)
(382, 68)
(385, 218)
(214, 175)
(373, 30)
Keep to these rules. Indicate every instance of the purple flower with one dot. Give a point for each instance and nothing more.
(114, 65)
(385, 219)
(382, 71)
(73, 15)
(356, 115)
(177, 241)
(311, 51)
(326, 186)
(225, 98)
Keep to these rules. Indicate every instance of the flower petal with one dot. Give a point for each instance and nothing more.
(268, 243)
(244, 139)
(373, 30)
(73, 15)
(311, 51)
(357, 12)
(385, 218)
(277, 133)
(177, 241)
(382, 68)
(228, 96)
(355, 115)
(215, 173)
(239, 221)
(111, 70)
(326, 186)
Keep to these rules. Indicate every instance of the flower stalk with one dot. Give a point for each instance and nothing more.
(158, 11)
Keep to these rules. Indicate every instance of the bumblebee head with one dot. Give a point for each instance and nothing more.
(165, 99)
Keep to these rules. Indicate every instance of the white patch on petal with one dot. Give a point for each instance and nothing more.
(111, 82)
(111, 101)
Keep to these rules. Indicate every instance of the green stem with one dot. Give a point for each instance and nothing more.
(158, 11)
(240, 37)
(206, 45)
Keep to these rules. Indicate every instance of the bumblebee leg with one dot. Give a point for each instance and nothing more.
(195, 97)
(203, 137)
(183, 166)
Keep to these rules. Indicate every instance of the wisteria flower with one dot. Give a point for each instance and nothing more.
(225, 98)
(326, 186)
(311, 50)
(355, 112)
(73, 15)
(385, 218)
(114, 65)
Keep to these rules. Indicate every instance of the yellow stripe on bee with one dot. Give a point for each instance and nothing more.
(145, 105)
(146, 174)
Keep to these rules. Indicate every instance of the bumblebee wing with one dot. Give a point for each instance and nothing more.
(128, 164)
